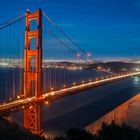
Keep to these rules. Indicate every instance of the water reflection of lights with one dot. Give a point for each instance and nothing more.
(136, 79)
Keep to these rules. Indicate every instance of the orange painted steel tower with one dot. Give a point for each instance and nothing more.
(32, 114)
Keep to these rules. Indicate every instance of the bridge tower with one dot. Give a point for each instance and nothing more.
(32, 114)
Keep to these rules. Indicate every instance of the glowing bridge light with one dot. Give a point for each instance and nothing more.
(74, 83)
(52, 89)
(96, 79)
(46, 95)
(47, 102)
(88, 54)
(52, 93)
(23, 107)
(82, 81)
(18, 96)
(78, 55)
(28, 10)
(30, 107)
(64, 86)
(89, 80)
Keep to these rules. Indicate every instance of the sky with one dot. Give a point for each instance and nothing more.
(105, 28)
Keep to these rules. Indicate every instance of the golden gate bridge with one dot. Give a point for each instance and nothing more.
(38, 63)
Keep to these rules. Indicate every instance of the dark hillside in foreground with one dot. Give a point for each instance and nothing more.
(13, 131)
(112, 131)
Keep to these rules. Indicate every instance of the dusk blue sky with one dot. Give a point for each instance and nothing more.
(106, 28)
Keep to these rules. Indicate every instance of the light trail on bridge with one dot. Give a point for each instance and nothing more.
(48, 96)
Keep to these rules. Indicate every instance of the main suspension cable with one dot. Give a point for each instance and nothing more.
(74, 43)
(11, 23)
(11, 20)
(65, 45)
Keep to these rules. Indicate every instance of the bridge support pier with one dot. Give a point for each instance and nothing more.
(32, 118)
(33, 71)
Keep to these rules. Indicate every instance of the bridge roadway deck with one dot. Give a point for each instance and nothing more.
(53, 95)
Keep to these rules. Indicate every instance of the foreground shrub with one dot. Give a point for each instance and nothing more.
(114, 131)
(111, 131)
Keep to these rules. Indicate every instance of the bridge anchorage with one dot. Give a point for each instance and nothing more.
(32, 116)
